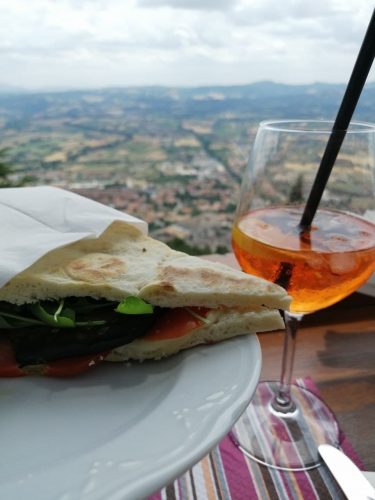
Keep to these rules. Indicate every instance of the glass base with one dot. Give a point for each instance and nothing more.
(285, 438)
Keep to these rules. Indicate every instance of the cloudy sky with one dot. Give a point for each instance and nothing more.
(96, 43)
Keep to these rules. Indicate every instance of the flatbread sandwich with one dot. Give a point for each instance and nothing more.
(125, 296)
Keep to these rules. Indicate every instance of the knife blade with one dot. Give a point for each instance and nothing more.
(351, 480)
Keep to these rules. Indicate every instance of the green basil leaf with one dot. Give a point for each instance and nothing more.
(49, 319)
(5, 324)
(19, 321)
(68, 313)
(134, 305)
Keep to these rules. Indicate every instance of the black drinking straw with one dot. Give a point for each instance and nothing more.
(349, 102)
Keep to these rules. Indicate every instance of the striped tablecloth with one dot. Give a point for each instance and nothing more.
(225, 473)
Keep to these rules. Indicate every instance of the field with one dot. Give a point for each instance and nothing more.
(174, 157)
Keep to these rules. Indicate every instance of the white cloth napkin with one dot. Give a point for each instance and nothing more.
(36, 220)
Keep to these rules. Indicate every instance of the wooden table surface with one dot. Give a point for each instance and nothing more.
(336, 348)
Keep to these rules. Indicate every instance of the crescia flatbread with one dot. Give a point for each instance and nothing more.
(196, 301)
(123, 261)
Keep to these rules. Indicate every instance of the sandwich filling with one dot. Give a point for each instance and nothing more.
(44, 332)
(125, 296)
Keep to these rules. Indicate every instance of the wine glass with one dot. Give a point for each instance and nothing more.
(285, 423)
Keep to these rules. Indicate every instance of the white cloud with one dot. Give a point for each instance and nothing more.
(190, 4)
(80, 43)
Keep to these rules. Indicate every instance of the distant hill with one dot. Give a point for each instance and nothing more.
(10, 89)
(255, 101)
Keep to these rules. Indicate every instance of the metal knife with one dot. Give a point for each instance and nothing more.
(351, 480)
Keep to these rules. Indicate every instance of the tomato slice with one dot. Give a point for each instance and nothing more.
(8, 364)
(63, 368)
(175, 323)
(74, 366)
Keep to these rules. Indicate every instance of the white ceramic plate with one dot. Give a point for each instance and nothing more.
(121, 431)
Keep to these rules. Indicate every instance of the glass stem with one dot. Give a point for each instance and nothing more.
(283, 402)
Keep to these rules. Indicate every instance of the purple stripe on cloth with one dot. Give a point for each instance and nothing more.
(236, 471)
(226, 474)
(301, 482)
(348, 449)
